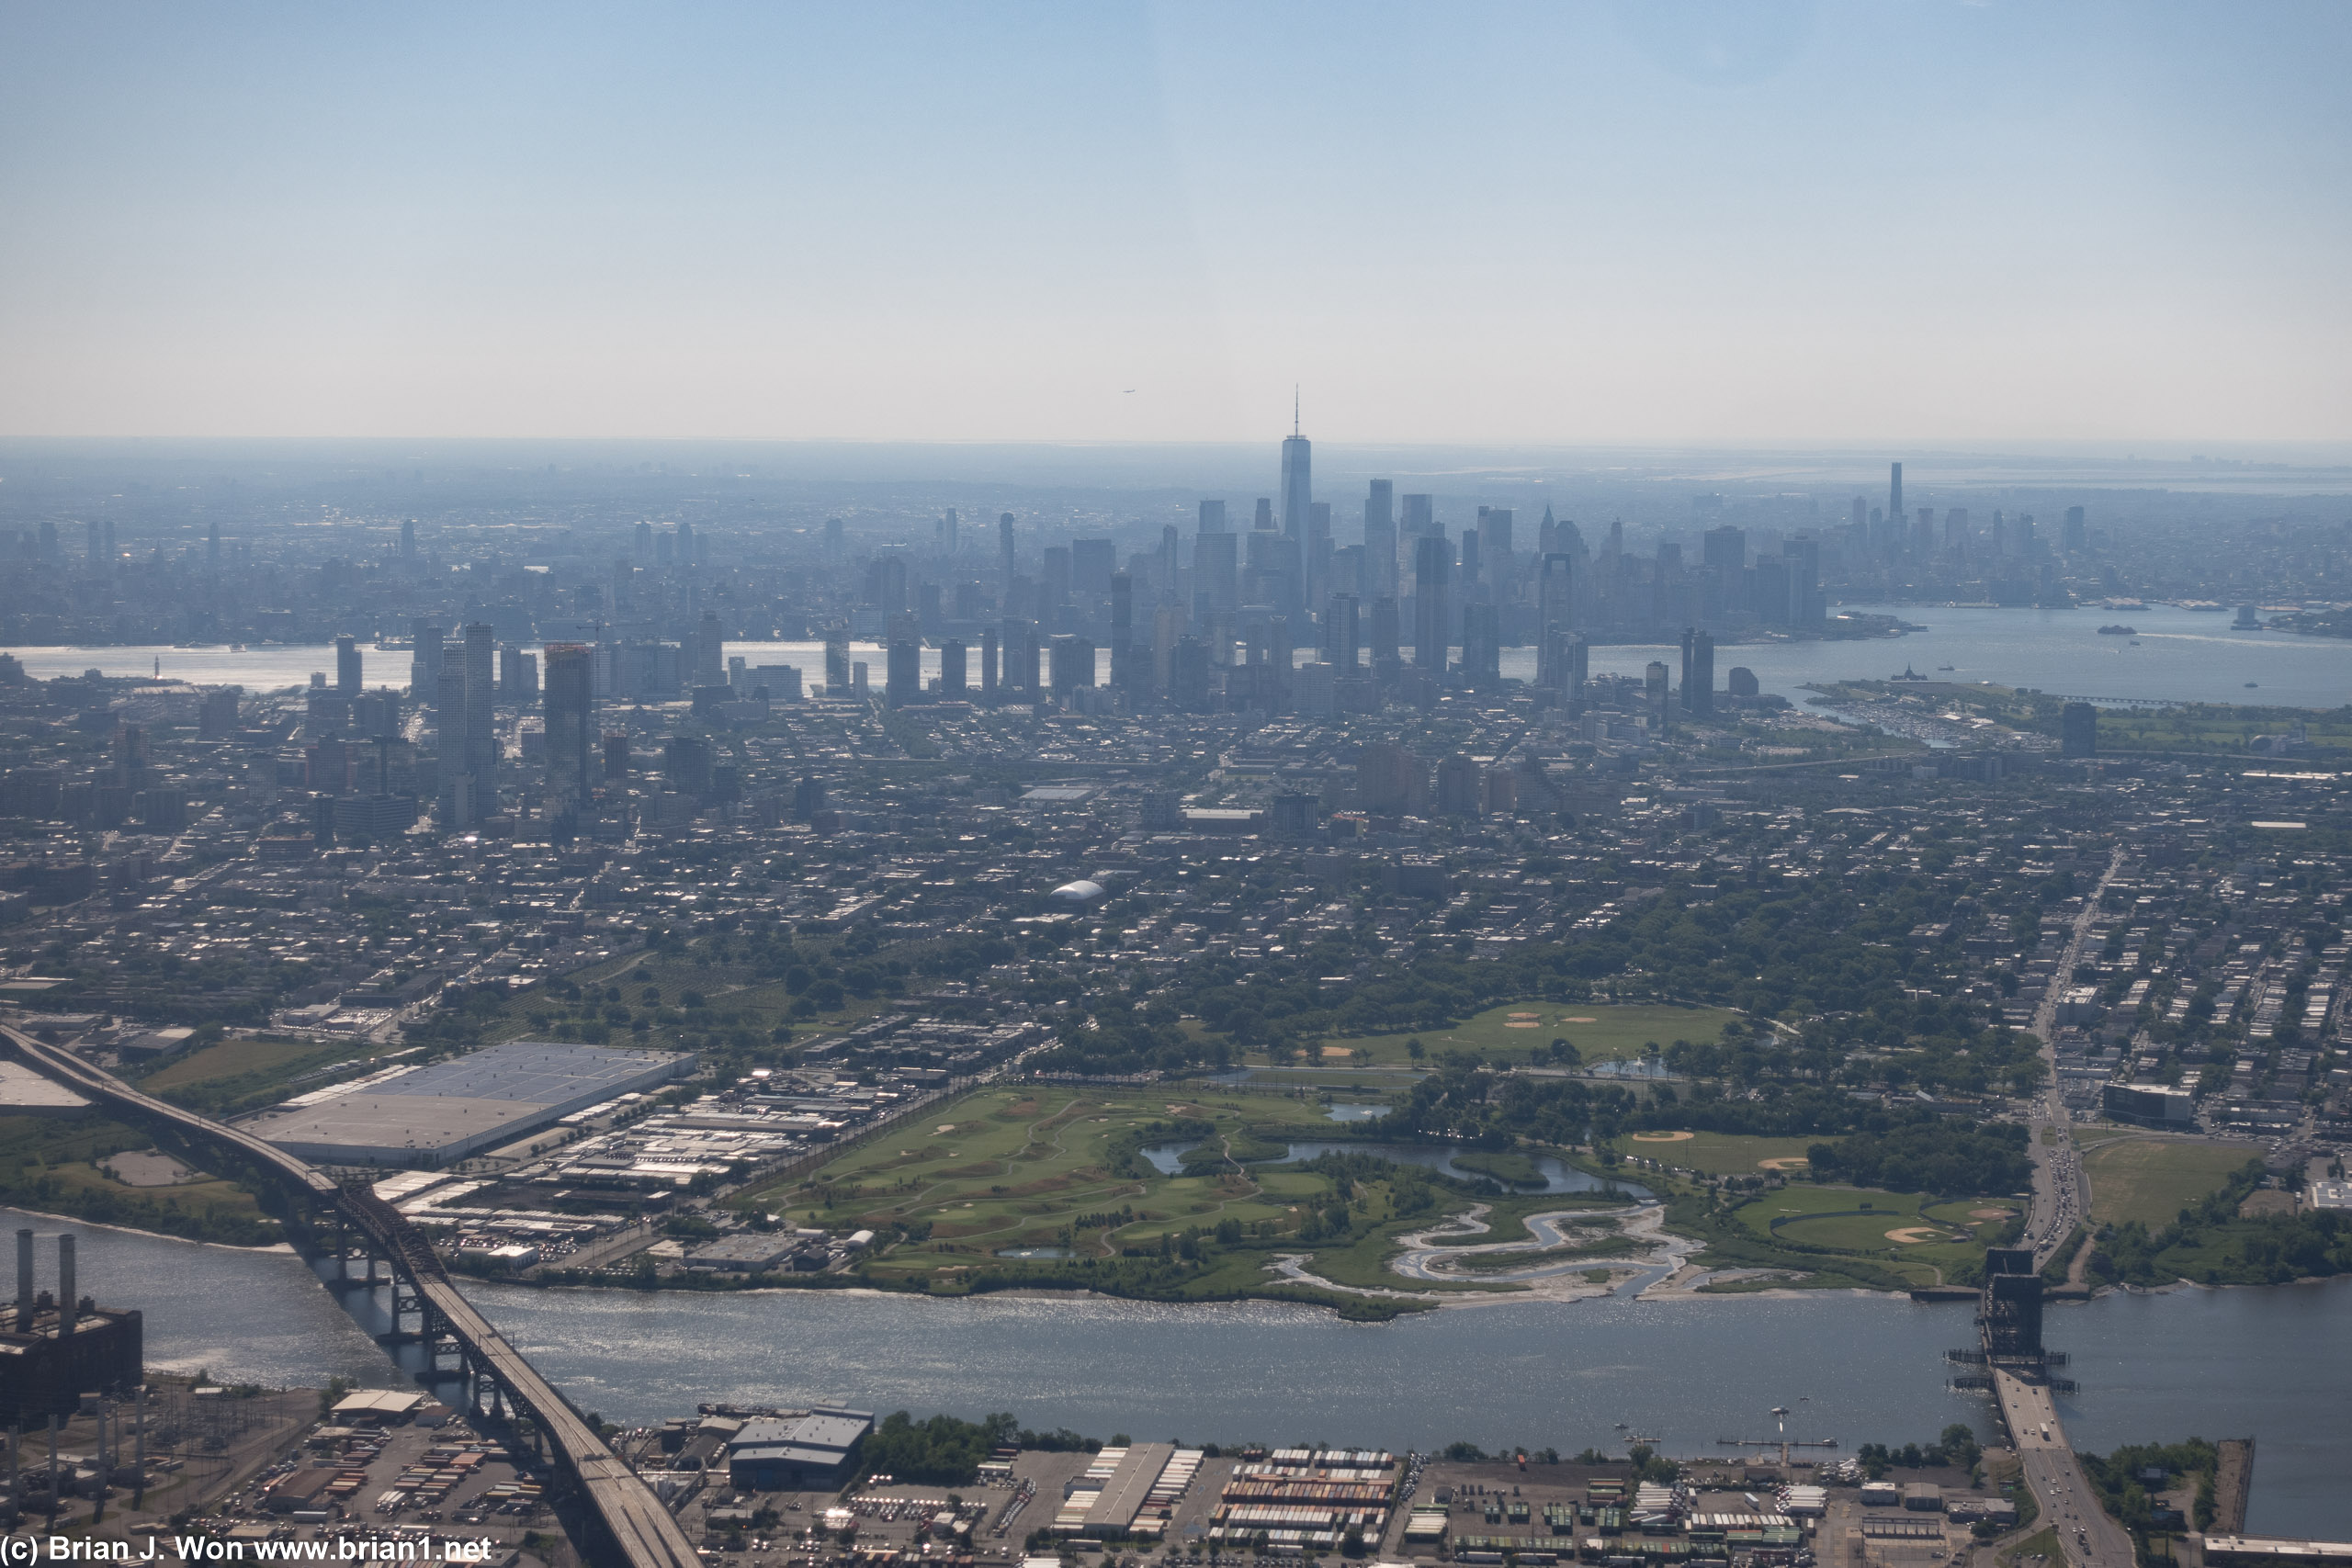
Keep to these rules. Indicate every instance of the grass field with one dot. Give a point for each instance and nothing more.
(1013, 1170)
(1719, 1153)
(1514, 1030)
(1903, 1230)
(2149, 1180)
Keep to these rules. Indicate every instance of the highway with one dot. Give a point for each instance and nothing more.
(2088, 1536)
(2060, 1196)
(640, 1529)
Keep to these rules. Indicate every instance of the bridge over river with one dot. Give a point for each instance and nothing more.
(636, 1530)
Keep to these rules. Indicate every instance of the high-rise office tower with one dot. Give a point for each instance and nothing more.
(833, 541)
(1807, 604)
(424, 662)
(987, 664)
(1263, 521)
(902, 669)
(1216, 569)
(1343, 640)
(1380, 538)
(1091, 562)
(1698, 671)
(1298, 456)
(2073, 537)
(1386, 637)
(947, 540)
(1123, 631)
(951, 671)
(1723, 551)
(1432, 601)
(710, 650)
(1894, 491)
(1482, 647)
(1054, 575)
(642, 546)
(348, 682)
(1004, 545)
(1419, 516)
(837, 681)
(456, 792)
(565, 709)
(1471, 554)
(685, 543)
(1213, 517)
(1496, 544)
(482, 715)
(1555, 593)
(408, 536)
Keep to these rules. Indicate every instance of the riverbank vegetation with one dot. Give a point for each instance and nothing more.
(2218, 1241)
(2157, 1490)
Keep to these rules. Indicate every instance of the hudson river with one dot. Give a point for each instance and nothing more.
(2179, 655)
(2265, 1363)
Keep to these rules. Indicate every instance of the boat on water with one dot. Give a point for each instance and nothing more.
(2118, 629)
(2250, 685)
(1942, 668)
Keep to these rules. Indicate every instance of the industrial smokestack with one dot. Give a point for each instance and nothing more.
(67, 1302)
(25, 1280)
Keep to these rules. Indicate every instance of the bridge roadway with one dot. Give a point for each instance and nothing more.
(640, 1530)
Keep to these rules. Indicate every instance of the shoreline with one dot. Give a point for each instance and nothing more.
(286, 1247)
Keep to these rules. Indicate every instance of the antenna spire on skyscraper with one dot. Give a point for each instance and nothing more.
(1293, 407)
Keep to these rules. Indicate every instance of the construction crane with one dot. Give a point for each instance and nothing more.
(1784, 1442)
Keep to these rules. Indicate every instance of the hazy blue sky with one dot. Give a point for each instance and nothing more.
(1750, 221)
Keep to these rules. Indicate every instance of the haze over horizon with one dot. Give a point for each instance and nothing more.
(1777, 223)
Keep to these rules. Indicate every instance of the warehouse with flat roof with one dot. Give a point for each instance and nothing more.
(453, 1108)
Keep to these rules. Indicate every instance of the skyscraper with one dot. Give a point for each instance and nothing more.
(348, 682)
(564, 708)
(1004, 545)
(1343, 637)
(1380, 538)
(1894, 495)
(1698, 671)
(1216, 569)
(1299, 486)
(1213, 517)
(482, 718)
(1432, 601)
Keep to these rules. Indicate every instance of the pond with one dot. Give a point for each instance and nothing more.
(1034, 1252)
(1337, 1112)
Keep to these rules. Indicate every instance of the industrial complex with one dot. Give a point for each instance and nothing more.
(449, 1109)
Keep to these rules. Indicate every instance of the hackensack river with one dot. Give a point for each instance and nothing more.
(2266, 1363)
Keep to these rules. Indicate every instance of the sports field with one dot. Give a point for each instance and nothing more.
(1517, 1030)
(1904, 1229)
(2149, 1180)
(1719, 1153)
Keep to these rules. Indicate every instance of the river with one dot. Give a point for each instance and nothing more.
(2179, 656)
(2215, 1363)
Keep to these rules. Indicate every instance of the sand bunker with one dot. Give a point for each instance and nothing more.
(1579, 1020)
(1782, 1162)
(1514, 1023)
(1662, 1138)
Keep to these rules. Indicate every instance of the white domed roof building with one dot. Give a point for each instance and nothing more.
(1078, 895)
